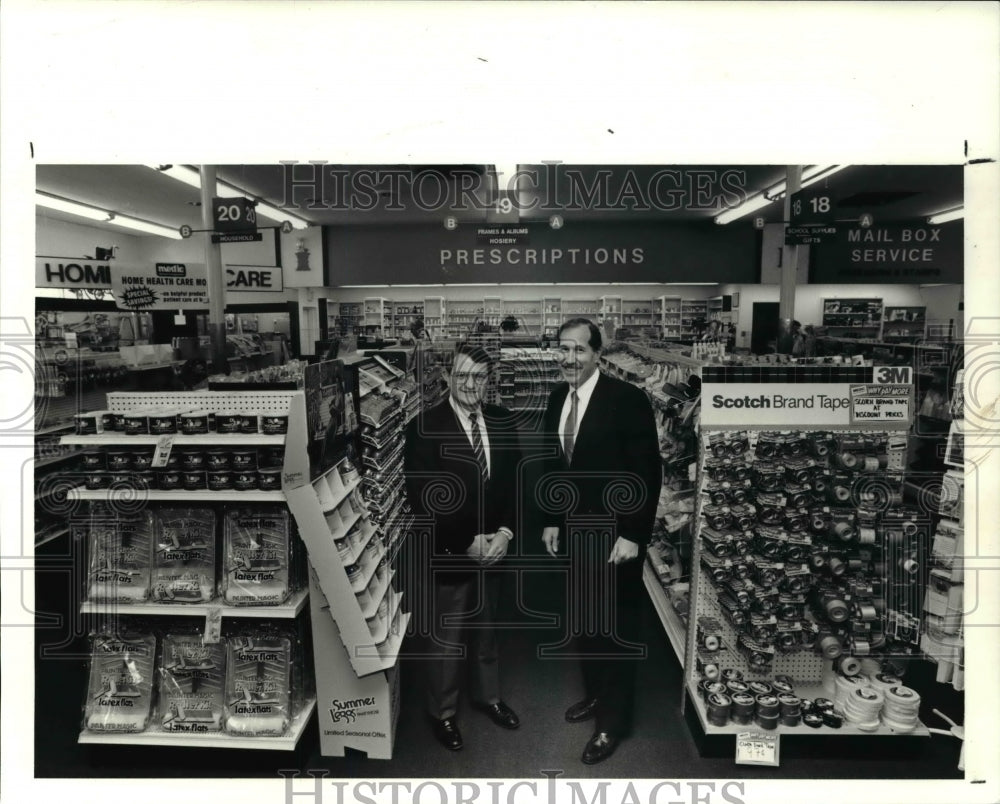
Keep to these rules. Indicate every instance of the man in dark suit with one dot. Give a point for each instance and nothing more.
(461, 464)
(603, 433)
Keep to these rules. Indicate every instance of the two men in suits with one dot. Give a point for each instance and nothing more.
(602, 434)
(461, 460)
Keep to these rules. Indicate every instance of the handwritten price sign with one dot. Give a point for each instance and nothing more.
(754, 748)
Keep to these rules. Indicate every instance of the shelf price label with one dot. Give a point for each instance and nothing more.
(164, 444)
(757, 748)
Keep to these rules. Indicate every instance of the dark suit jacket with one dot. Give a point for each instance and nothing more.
(616, 441)
(444, 484)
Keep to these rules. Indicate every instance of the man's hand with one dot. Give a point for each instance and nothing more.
(550, 538)
(623, 550)
(477, 549)
(496, 548)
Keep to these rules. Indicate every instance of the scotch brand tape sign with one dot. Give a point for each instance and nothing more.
(791, 405)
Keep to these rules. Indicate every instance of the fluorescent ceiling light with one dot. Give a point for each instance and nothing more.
(947, 215)
(192, 177)
(104, 216)
(73, 208)
(810, 175)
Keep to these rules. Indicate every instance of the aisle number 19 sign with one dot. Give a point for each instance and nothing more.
(234, 215)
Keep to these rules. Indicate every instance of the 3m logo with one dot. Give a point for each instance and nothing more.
(893, 375)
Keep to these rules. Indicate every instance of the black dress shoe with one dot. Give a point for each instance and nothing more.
(600, 746)
(581, 710)
(501, 714)
(446, 732)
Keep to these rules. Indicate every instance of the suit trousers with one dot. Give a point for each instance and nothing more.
(462, 635)
(609, 658)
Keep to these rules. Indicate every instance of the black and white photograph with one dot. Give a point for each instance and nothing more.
(412, 404)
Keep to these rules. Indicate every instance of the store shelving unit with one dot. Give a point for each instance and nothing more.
(462, 317)
(377, 319)
(551, 316)
(669, 312)
(528, 315)
(278, 403)
(742, 627)
(854, 318)
(904, 324)
(526, 377)
(578, 308)
(434, 316)
(692, 311)
(404, 313)
(493, 311)
(609, 315)
(349, 318)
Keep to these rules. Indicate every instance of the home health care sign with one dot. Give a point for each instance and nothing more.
(163, 286)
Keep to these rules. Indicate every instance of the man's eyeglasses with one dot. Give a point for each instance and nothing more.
(464, 377)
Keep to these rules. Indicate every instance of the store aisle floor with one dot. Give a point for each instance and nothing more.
(662, 745)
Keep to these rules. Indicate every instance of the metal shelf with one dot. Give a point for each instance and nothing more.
(180, 440)
(156, 736)
(286, 611)
(812, 691)
(181, 495)
(672, 624)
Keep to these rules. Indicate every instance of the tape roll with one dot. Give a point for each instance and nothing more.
(866, 612)
(790, 704)
(767, 723)
(910, 566)
(829, 646)
(744, 706)
(710, 671)
(866, 535)
(843, 531)
(735, 686)
(837, 567)
(719, 706)
(870, 668)
(902, 698)
(760, 688)
(813, 720)
(832, 720)
(710, 642)
(837, 610)
(768, 706)
(871, 464)
(782, 687)
(848, 665)
(847, 459)
(791, 720)
(823, 704)
(732, 674)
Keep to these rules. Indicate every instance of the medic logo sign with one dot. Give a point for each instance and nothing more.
(164, 286)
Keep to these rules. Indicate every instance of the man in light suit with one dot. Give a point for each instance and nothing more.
(461, 460)
(602, 433)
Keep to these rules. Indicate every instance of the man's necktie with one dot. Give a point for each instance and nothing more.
(477, 447)
(569, 431)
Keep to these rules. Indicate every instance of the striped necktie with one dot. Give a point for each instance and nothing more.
(569, 430)
(477, 446)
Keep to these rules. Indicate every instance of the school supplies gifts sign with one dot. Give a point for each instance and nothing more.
(162, 286)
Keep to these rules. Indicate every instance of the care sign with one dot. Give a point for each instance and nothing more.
(163, 286)
(260, 278)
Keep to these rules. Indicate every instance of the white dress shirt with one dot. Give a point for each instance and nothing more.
(583, 394)
(463, 419)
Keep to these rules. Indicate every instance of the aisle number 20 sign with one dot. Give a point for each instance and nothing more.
(234, 215)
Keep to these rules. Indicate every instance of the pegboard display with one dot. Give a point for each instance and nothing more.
(244, 401)
(804, 552)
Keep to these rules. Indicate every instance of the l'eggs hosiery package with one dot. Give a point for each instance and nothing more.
(257, 555)
(120, 690)
(120, 547)
(192, 684)
(184, 563)
(258, 686)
